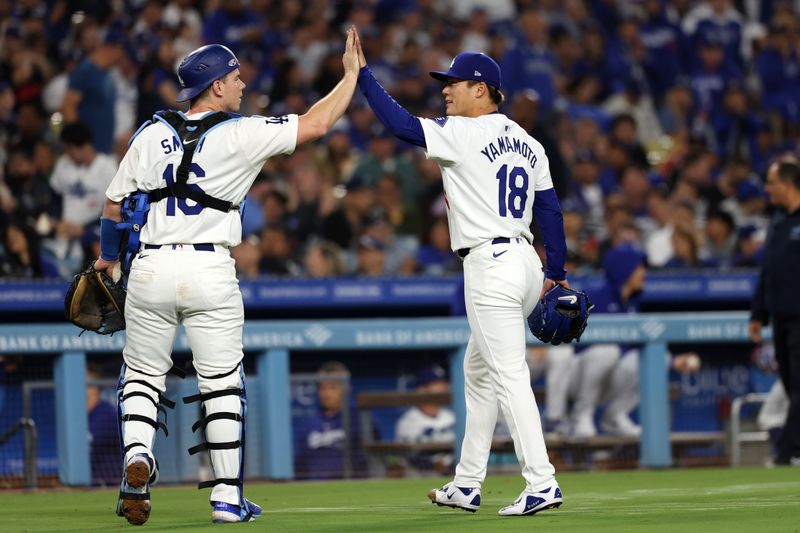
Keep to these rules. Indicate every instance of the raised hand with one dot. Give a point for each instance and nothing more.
(350, 58)
(362, 61)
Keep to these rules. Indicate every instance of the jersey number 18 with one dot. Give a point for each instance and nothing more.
(511, 194)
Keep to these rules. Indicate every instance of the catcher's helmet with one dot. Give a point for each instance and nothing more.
(199, 69)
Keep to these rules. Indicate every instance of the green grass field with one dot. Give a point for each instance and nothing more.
(703, 500)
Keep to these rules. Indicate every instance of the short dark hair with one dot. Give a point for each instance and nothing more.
(789, 171)
(205, 91)
(723, 216)
(76, 134)
(494, 93)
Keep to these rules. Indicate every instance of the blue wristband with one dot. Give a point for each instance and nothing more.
(110, 240)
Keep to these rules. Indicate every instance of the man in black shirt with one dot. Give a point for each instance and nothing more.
(778, 295)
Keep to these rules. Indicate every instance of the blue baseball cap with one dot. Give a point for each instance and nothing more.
(429, 375)
(472, 66)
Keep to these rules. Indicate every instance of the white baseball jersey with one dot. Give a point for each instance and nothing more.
(491, 170)
(224, 165)
(414, 426)
(82, 188)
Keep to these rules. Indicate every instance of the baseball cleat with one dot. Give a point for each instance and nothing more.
(468, 499)
(530, 503)
(134, 493)
(226, 513)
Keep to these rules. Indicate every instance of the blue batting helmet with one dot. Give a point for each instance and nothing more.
(199, 69)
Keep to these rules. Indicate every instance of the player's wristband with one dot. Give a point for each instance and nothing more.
(110, 240)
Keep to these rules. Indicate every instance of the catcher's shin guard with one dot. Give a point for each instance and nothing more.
(139, 400)
(222, 412)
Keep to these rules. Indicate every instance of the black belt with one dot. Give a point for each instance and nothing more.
(202, 247)
(464, 252)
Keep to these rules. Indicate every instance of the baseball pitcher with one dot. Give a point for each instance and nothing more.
(189, 173)
(496, 177)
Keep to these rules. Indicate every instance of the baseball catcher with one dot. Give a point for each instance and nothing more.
(95, 302)
(560, 316)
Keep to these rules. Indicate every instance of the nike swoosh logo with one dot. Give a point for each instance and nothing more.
(571, 299)
(498, 254)
(141, 256)
(190, 142)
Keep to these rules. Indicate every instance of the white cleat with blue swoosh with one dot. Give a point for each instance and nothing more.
(468, 499)
(530, 503)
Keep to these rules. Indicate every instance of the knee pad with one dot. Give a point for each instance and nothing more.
(222, 414)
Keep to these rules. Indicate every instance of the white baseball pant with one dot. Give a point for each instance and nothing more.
(501, 286)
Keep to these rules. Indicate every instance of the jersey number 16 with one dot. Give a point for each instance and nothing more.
(511, 194)
(187, 209)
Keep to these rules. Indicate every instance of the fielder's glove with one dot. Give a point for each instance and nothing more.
(560, 316)
(95, 302)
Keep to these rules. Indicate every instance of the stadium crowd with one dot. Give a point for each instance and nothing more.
(659, 118)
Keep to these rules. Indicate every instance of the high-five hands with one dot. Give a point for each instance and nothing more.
(350, 58)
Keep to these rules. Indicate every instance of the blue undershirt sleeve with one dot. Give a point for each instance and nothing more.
(547, 211)
(395, 117)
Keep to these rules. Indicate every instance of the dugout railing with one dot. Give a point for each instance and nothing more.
(270, 446)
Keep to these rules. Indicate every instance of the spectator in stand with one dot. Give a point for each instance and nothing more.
(247, 256)
(676, 111)
(587, 195)
(326, 447)
(370, 257)
(685, 252)
(635, 102)
(735, 130)
(33, 198)
(717, 21)
(81, 177)
(666, 46)
(778, 68)
(277, 253)
(749, 248)
(720, 238)
(233, 24)
(92, 95)
(435, 256)
(323, 259)
(399, 250)
(404, 218)
(708, 82)
(344, 224)
(529, 63)
(21, 257)
(383, 158)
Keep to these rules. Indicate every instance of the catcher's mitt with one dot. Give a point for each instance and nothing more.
(95, 302)
(560, 316)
